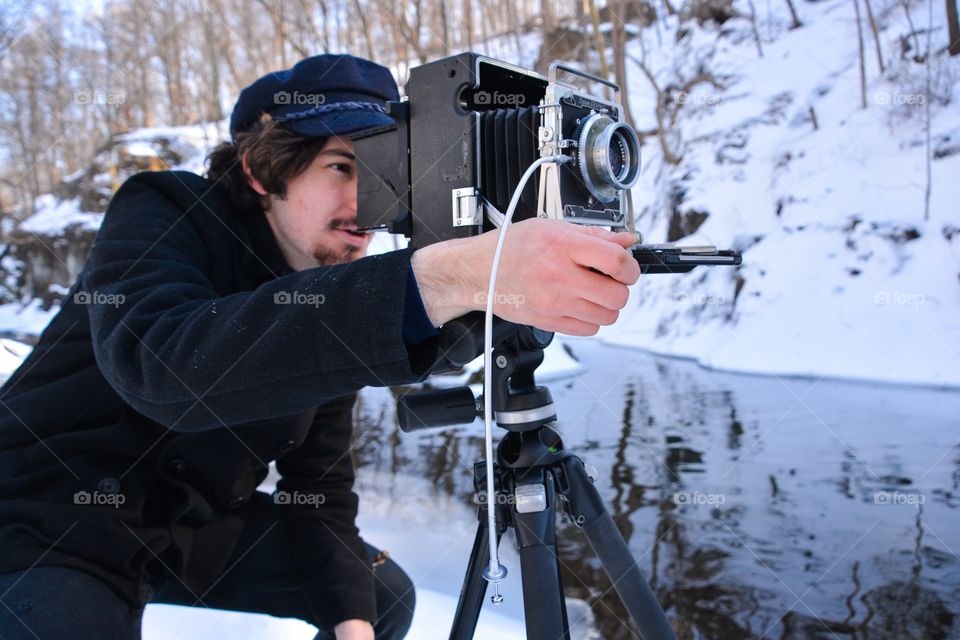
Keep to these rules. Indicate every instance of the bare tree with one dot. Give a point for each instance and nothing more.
(863, 64)
(753, 28)
(467, 18)
(953, 28)
(365, 28)
(876, 35)
(600, 45)
(794, 18)
(619, 15)
(12, 16)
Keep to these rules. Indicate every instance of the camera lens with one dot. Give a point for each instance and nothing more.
(608, 154)
(616, 153)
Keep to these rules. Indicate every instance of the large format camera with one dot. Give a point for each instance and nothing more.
(470, 128)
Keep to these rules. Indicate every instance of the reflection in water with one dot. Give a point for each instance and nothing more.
(759, 507)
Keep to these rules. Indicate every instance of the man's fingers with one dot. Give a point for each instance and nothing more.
(623, 238)
(602, 290)
(616, 262)
(571, 327)
(590, 312)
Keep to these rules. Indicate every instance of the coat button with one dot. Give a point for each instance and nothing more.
(108, 486)
(176, 466)
(286, 447)
(236, 502)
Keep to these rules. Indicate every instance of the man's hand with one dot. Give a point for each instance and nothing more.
(354, 630)
(553, 275)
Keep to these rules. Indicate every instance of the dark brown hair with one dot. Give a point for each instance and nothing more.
(275, 155)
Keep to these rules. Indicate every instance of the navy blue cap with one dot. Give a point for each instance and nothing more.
(321, 96)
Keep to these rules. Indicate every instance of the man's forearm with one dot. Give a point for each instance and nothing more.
(445, 274)
(553, 275)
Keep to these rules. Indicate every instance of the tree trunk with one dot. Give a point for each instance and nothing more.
(863, 64)
(365, 27)
(876, 35)
(468, 23)
(600, 45)
(619, 14)
(795, 19)
(214, 111)
(953, 27)
(753, 27)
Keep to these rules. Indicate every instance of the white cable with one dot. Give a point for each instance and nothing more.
(495, 572)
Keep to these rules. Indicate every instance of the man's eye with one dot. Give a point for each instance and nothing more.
(342, 166)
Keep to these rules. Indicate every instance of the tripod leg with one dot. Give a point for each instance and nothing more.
(614, 554)
(543, 604)
(473, 590)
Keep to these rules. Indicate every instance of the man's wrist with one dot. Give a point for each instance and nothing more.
(444, 273)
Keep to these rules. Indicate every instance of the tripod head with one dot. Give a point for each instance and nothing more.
(518, 402)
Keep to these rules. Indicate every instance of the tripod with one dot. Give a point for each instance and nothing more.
(534, 476)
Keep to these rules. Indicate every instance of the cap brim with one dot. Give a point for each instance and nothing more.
(339, 123)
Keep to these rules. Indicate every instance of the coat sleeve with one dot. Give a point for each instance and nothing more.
(191, 359)
(318, 510)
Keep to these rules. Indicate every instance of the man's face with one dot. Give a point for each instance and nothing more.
(313, 223)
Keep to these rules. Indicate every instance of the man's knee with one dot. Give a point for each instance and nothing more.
(396, 600)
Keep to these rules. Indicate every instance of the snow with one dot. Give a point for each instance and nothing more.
(52, 217)
(827, 290)
(12, 354)
(196, 139)
(431, 621)
(140, 148)
(29, 318)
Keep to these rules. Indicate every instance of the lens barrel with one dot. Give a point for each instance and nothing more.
(608, 156)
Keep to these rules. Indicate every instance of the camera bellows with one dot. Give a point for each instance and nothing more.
(508, 145)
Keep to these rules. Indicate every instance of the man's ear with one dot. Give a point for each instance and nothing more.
(253, 182)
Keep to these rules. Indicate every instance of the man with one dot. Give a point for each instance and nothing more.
(220, 324)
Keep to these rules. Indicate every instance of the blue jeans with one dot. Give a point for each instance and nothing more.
(61, 603)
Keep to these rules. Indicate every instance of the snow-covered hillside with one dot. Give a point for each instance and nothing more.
(841, 275)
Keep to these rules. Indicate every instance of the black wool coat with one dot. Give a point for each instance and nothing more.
(185, 358)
